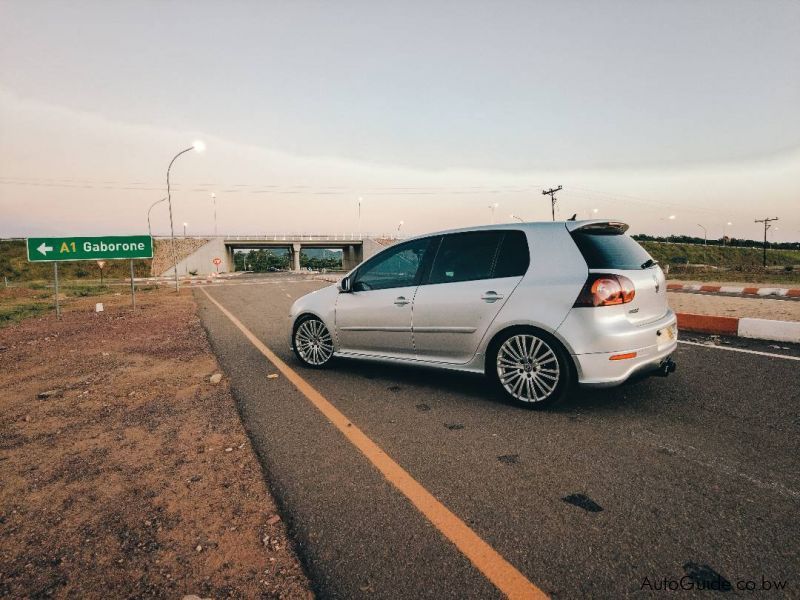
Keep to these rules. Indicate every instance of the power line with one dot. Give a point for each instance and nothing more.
(552, 193)
(766, 222)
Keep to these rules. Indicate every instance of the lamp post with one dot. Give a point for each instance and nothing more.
(149, 229)
(359, 215)
(399, 225)
(728, 224)
(705, 234)
(595, 211)
(198, 146)
(493, 207)
(214, 200)
(705, 243)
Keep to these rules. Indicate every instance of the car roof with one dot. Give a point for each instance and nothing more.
(529, 226)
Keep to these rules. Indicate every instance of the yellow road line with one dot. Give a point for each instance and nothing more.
(486, 559)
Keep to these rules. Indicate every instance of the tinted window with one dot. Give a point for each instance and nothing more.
(610, 250)
(396, 267)
(514, 257)
(465, 257)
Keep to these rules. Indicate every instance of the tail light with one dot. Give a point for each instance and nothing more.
(606, 289)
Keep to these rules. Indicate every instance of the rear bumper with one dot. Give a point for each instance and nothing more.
(596, 369)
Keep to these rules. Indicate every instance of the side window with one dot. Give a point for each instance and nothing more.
(514, 257)
(396, 267)
(465, 257)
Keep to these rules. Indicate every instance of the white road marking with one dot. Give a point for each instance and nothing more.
(758, 352)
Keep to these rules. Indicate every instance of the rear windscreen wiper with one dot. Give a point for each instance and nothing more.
(649, 263)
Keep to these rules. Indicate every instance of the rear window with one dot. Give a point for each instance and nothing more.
(606, 250)
(514, 258)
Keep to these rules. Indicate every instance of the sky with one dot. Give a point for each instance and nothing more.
(431, 112)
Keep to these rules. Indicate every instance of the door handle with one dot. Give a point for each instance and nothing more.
(401, 301)
(491, 296)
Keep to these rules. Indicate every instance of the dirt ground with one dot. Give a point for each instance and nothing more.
(125, 472)
(733, 306)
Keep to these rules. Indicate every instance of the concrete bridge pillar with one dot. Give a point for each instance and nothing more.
(351, 257)
(296, 257)
(230, 266)
(347, 258)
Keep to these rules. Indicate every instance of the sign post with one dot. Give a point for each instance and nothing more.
(217, 262)
(133, 288)
(102, 265)
(55, 277)
(101, 249)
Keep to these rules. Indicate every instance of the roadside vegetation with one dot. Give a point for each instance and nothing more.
(30, 299)
(726, 263)
(262, 261)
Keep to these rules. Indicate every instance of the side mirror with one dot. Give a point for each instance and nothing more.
(344, 285)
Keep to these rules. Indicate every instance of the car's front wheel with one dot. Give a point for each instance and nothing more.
(312, 342)
(531, 368)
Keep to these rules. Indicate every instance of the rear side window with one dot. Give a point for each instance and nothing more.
(465, 257)
(514, 257)
(606, 250)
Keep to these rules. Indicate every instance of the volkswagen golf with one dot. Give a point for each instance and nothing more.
(540, 308)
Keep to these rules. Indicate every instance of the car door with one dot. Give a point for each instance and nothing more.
(472, 276)
(375, 316)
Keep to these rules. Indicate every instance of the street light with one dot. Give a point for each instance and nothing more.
(595, 211)
(399, 226)
(705, 234)
(359, 215)
(214, 200)
(197, 146)
(513, 216)
(705, 243)
(149, 229)
(493, 207)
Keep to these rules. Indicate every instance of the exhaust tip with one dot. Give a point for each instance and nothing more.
(667, 367)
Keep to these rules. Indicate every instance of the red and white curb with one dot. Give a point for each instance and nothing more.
(760, 329)
(732, 289)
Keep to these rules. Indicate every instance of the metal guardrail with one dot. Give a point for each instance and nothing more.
(302, 237)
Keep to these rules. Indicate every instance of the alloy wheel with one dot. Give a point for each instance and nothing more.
(313, 342)
(528, 368)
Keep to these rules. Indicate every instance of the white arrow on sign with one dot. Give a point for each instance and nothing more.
(44, 249)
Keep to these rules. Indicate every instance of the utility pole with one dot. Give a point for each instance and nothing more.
(766, 222)
(552, 193)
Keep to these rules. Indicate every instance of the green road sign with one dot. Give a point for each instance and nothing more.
(109, 247)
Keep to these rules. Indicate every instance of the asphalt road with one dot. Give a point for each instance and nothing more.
(696, 475)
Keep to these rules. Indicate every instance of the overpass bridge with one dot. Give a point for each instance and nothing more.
(197, 253)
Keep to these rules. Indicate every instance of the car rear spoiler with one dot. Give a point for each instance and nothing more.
(598, 226)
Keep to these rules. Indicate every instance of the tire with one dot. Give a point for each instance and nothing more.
(312, 342)
(530, 368)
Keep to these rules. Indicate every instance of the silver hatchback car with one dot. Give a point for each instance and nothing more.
(537, 307)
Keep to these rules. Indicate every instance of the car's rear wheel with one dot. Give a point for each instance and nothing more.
(530, 368)
(312, 342)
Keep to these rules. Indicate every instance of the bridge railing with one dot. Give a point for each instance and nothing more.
(294, 237)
